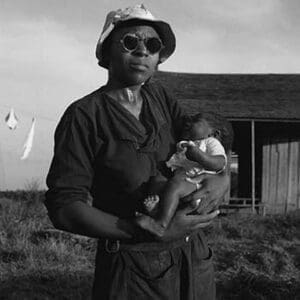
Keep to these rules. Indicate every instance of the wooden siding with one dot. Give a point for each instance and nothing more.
(272, 101)
(237, 96)
(281, 175)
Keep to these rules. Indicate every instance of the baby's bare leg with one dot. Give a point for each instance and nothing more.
(175, 189)
(162, 209)
(156, 186)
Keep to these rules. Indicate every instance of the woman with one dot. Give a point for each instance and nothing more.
(108, 145)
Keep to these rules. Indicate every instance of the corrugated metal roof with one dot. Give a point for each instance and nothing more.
(237, 96)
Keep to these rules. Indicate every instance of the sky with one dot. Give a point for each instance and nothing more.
(47, 59)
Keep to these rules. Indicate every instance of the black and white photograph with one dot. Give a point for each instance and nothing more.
(149, 150)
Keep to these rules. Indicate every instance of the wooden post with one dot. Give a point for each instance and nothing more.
(253, 164)
(227, 195)
(2, 171)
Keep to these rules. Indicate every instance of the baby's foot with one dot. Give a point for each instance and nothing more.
(150, 204)
(150, 225)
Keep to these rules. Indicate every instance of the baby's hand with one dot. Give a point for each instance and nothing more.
(191, 151)
(183, 145)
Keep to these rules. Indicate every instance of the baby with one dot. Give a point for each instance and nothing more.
(206, 138)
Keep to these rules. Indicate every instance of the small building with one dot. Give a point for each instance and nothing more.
(265, 114)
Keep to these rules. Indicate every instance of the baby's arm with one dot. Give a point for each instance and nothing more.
(207, 161)
(214, 159)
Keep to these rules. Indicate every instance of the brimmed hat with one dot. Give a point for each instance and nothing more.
(137, 12)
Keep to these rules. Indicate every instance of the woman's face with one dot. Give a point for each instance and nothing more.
(132, 67)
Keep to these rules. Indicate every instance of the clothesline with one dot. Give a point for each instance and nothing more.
(11, 121)
(38, 116)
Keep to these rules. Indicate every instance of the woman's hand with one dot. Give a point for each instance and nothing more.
(194, 214)
(211, 192)
(182, 224)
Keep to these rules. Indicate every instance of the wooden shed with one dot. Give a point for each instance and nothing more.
(265, 114)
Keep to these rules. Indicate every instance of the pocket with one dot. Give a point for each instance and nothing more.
(152, 265)
(153, 275)
(205, 263)
(204, 278)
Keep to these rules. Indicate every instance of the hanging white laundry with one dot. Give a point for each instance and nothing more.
(29, 141)
(11, 119)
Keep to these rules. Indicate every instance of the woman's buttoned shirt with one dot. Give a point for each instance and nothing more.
(104, 151)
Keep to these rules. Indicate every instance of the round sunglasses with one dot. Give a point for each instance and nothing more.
(131, 41)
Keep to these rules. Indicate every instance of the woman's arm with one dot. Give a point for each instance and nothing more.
(212, 191)
(184, 222)
(204, 202)
(70, 179)
(80, 218)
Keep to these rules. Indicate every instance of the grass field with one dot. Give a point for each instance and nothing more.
(255, 257)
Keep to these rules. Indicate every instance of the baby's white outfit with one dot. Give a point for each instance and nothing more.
(209, 145)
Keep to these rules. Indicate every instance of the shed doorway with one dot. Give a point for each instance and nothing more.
(265, 167)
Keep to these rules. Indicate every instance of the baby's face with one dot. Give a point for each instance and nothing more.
(200, 130)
